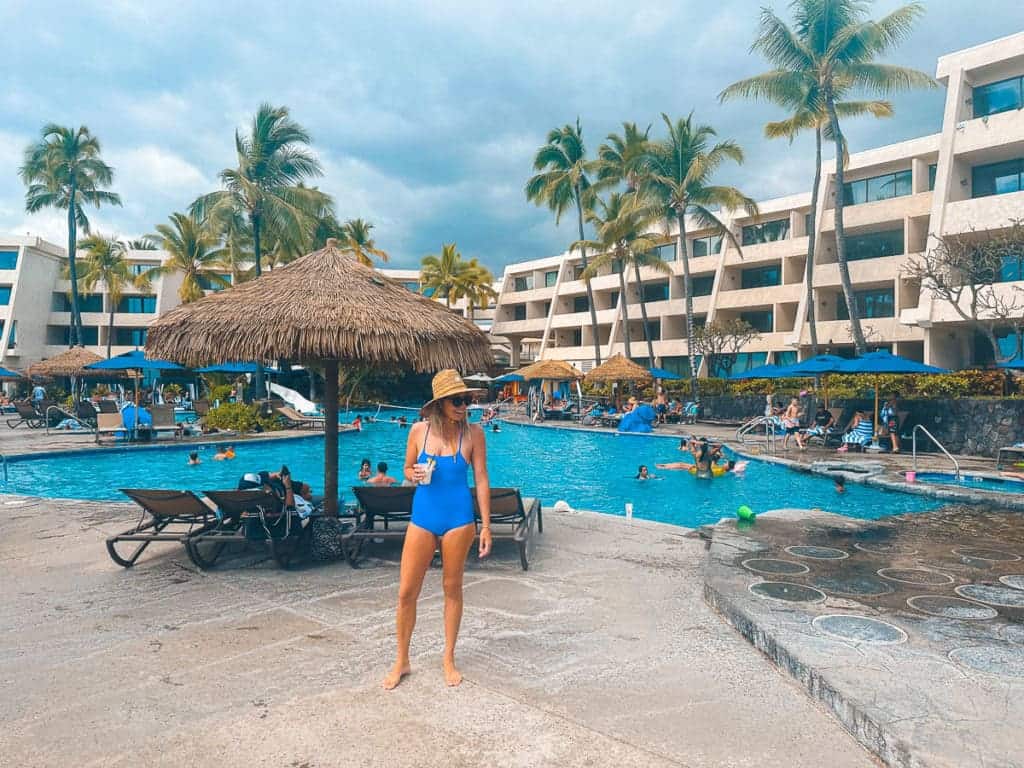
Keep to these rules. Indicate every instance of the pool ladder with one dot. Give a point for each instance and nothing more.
(768, 422)
(941, 447)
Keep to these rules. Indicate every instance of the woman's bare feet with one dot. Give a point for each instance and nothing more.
(452, 676)
(394, 677)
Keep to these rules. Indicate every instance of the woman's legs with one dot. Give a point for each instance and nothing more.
(417, 552)
(454, 549)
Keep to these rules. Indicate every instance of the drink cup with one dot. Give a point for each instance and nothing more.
(911, 476)
(428, 471)
(629, 510)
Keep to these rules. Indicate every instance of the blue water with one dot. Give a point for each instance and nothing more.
(588, 470)
(976, 482)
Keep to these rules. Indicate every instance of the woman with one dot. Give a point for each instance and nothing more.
(859, 432)
(365, 472)
(442, 513)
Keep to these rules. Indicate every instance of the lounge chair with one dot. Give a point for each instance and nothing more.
(166, 516)
(381, 513)
(514, 518)
(27, 415)
(250, 515)
(110, 424)
(107, 406)
(85, 414)
(295, 419)
(163, 420)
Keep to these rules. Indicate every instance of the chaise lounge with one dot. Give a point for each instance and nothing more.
(166, 516)
(514, 518)
(298, 420)
(382, 513)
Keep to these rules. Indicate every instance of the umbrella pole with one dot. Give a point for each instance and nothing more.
(331, 439)
(874, 426)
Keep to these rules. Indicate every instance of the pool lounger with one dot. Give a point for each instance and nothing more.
(250, 515)
(166, 516)
(514, 518)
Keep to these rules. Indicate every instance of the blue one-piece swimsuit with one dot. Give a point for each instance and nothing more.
(446, 503)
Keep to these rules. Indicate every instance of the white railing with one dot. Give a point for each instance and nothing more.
(941, 447)
(747, 429)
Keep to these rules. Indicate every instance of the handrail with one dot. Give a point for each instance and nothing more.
(767, 421)
(941, 447)
(67, 415)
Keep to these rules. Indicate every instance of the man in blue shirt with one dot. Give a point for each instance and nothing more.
(38, 394)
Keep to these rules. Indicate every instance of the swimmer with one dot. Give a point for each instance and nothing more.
(221, 454)
(357, 422)
(365, 470)
(643, 473)
(496, 427)
(193, 459)
(737, 467)
(229, 452)
(840, 482)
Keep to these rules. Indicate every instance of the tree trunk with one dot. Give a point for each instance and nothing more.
(844, 269)
(590, 291)
(625, 312)
(684, 256)
(75, 336)
(110, 327)
(331, 438)
(811, 242)
(643, 314)
(257, 252)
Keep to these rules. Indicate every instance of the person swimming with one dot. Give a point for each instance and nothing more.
(193, 459)
(365, 470)
(643, 473)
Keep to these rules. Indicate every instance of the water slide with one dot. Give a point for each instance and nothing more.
(294, 399)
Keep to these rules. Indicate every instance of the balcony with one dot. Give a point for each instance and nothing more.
(697, 264)
(877, 330)
(758, 297)
(779, 249)
(982, 213)
(582, 319)
(572, 288)
(534, 294)
(863, 271)
(519, 327)
(880, 211)
(993, 131)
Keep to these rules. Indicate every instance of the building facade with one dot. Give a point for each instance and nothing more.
(968, 178)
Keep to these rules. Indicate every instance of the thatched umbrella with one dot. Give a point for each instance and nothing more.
(71, 362)
(326, 308)
(618, 368)
(552, 370)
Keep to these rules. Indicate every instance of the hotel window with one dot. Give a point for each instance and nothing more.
(614, 296)
(741, 363)
(8, 259)
(999, 97)
(550, 278)
(768, 232)
(932, 169)
(141, 268)
(997, 178)
(207, 283)
(761, 277)
(5, 295)
(60, 335)
(1012, 269)
(882, 187)
(577, 272)
(87, 302)
(666, 252)
(870, 304)
(428, 292)
(524, 283)
(874, 245)
(784, 357)
(807, 223)
(654, 329)
(12, 338)
(656, 292)
(580, 304)
(706, 246)
(412, 286)
(616, 266)
(702, 286)
(761, 320)
(519, 312)
(136, 305)
(577, 337)
(547, 308)
(130, 337)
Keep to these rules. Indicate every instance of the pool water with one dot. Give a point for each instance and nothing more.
(977, 482)
(594, 471)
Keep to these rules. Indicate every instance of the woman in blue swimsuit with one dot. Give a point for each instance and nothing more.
(442, 513)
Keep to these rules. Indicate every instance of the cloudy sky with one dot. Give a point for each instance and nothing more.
(425, 114)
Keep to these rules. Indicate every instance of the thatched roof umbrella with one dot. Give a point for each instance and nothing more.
(71, 362)
(326, 308)
(618, 368)
(553, 370)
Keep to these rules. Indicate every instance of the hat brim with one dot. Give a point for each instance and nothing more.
(453, 393)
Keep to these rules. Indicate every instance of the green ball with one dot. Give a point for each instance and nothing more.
(745, 513)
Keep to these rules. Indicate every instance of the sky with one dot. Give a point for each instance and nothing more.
(425, 115)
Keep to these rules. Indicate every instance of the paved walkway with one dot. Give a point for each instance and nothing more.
(603, 654)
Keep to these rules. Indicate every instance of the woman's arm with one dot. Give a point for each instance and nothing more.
(483, 487)
(412, 453)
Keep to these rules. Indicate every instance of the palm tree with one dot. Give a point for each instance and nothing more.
(476, 284)
(358, 241)
(192, 250)
(808, 113)
(441, 273)
(678, 174)
(144, 243)
(562, 182)
(622, 225)
(64, 170)
(105, 263)
(832, 48)
(266, 185)
(236, 244)
(621, 158)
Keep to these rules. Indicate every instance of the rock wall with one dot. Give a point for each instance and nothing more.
(969, 426)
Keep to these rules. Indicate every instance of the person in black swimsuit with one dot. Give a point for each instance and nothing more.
(438, 456)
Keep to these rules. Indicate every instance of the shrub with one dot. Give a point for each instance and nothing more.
(220, 392)
(240, 417)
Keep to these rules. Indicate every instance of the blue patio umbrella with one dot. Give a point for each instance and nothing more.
(135, 361)
(818, 365)
(6, 373)
(882, 362)
(510, 377)
(661, 373)
(768, 371)
(235, 368)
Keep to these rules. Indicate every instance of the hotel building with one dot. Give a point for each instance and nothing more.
(968, 178)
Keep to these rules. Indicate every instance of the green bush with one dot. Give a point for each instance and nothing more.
(220, 392)
(240, 417)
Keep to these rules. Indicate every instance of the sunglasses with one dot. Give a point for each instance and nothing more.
(460, 400)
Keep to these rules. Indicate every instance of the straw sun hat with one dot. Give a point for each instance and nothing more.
(446, 384)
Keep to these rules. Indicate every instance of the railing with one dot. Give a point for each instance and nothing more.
(768, 422)
(57, 409)
(941, 447)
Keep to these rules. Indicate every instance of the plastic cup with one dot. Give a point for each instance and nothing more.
(629, 510)
(428, 471)
(911, 476)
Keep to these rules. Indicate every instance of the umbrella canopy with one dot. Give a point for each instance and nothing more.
(819, 365)
(1016, 364)
(661, 373)
(72, 362)
(133, 361)
(768, 371)
(553, 370)
(234, 368)
(7, 373)
(617, 368)
(483, 378)
(324, 307)
(886, 362)
(509, 377)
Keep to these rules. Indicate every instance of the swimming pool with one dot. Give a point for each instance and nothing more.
(589, 470)
(975, 482)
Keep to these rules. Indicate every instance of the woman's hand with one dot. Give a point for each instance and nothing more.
(416, 474)
(485, 542)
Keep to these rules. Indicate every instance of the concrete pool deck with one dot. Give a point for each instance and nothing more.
(603, 654)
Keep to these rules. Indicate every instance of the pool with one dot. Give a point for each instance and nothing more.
(975, 482)
(588, 470)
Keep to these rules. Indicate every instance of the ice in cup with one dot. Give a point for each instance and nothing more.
(427, 468)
